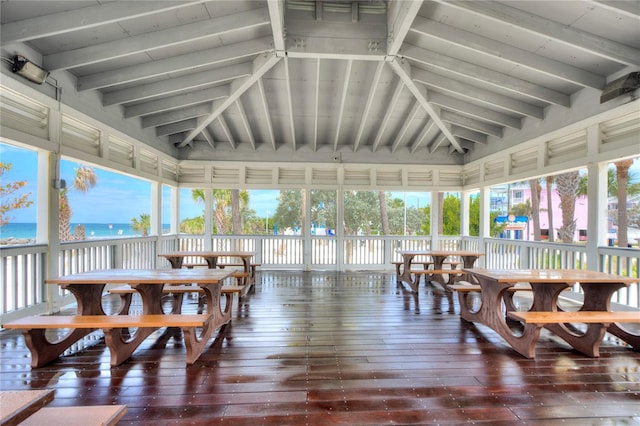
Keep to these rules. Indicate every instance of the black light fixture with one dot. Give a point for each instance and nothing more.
(24, 67)
(620, 86)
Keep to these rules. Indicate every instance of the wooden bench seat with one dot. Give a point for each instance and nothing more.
(20, 404)
(476, 288)
(576, 317)
(586, 341)
(96, 415)
(178, 291)
(34, 327)
(425, 264)
(249, 277)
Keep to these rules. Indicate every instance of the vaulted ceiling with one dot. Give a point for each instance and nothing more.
(374, 81)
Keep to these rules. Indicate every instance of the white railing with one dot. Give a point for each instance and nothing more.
(24, 268)
(22, 272)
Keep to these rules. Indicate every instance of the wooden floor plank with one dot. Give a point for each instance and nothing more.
(342, 349)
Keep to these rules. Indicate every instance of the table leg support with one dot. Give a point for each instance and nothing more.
(588, 343)
(121, 349)
(490, 314)
(43, 351)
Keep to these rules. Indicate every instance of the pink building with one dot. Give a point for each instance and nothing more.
(521, 194)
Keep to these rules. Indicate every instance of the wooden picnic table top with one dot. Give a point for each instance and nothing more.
(440, 253)
(231, 253)
(550, 276)
(144, 276)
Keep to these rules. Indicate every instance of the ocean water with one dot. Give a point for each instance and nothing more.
(93, 230)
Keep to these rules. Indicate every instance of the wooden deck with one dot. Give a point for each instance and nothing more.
(341, 349)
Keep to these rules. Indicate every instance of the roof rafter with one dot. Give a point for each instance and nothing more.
(602, 47)
(400, 16)
(178, 101)
(176, 115)
(174, 64)
(316, 110)
(504, 52)
(405, 125)
(156, 40)
(483, 75)
(84, 18)
(629, 8)
(267, 116)
(484, 114)
(276, 12)
(428, 132)
(226, 130)
(368, 105)
(343, 100)
(287, 81)
(391, 106)
(177, 84)
(471, 123)
(421, 97)
(245, 123)
(477, 94)
(261, 65)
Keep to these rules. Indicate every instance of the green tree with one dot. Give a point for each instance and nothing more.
(7, 189)
(289, 211)
(84, 179)
(141, 224)
(474, 220)
(230, 209)
(193, 225)
(450, 215)
(361, 212)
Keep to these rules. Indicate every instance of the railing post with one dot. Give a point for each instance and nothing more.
(524, 252)
(117, 256)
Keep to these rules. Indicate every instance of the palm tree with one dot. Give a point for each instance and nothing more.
(535, 208)
(384, 215)
(142, 225)
(85, 178)
(551, 232)
(567, 188)
(622, 175)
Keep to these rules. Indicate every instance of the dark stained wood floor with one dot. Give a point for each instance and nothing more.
(342, 349)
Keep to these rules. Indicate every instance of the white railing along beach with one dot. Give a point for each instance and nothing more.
(24, 268)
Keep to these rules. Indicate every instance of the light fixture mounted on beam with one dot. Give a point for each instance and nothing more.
(24, 67)
(620, 86)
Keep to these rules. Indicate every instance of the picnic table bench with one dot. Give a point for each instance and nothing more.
(600, 320)
(34, 330)
(28, 408)
(126, 293)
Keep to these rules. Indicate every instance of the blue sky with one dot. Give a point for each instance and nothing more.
(118, 198)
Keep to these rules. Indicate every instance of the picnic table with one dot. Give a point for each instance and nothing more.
(177, 260)
(436, 271)
(88, 287)
(546, 286)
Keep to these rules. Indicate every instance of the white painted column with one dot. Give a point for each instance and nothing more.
(464, 214)
(156, 209)
(48, 217)
(596, 213)
(435, 215)
(340, 229)
(208, 218)
(485, 221)
(306, 229)
(174, 220)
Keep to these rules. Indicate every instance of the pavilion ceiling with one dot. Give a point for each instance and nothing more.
(354, 81)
